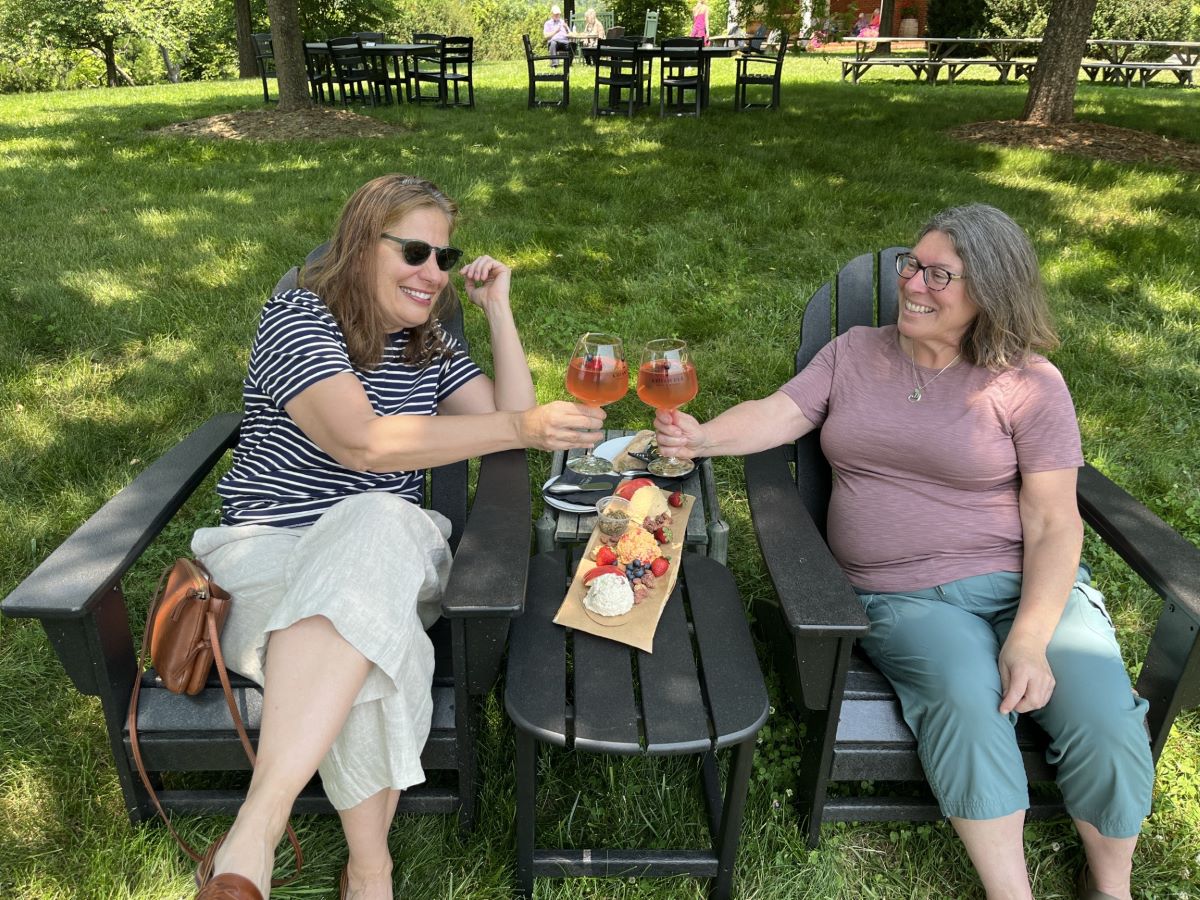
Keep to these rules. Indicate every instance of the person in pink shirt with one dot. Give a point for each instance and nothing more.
(700, 21)
(954, 447)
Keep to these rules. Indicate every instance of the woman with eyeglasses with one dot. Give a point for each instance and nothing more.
(353, 389)
(954, 447)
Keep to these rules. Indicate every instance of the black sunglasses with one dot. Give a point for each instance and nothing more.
(416, 252)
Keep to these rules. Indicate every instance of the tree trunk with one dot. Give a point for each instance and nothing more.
(886, 14)
(110, 60)
(288, 47)
(172, 68)
(1051, 99)
(247, 67)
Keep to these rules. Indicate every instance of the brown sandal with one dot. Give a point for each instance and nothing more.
(344, 886)
(228, 886)
(204, 872)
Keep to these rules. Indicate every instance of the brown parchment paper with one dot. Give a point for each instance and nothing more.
(636, 628)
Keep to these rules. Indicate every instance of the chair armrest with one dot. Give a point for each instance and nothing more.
(1170, 675)
(1167, 562)
(93, 559)
(813, 592)
(492, 563)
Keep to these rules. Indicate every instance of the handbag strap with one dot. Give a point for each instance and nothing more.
(223, 674)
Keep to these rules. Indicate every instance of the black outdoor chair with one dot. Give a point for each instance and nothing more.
(450, 66)
(264, 60)
(855, 732)
(377, 37)
(561, 75)
(617, 71)
(679, 74)
(353, 73)
(76, 593)
(320, 74)
(772, 77)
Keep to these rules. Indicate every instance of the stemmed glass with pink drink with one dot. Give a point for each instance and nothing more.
(596, 375)
(666, 381)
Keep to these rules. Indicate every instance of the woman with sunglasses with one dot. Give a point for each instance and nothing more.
(354, 388)
(955, 447)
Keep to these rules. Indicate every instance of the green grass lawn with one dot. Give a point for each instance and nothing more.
(135, 267)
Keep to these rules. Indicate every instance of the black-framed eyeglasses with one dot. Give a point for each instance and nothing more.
(416, 252)
(936, 278)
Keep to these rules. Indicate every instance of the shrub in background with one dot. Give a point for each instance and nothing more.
(1161, 20)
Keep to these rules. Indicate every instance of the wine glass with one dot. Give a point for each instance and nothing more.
(667, 380)
(596, 375)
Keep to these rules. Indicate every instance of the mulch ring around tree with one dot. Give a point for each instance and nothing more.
(1088, 139)
(271, 125)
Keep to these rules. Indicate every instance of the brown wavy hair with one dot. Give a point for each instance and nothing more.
(1004, 280)
(344, 276)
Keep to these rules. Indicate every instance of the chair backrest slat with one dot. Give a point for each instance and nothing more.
(866, 295)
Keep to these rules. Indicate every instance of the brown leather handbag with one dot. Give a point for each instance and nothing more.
(183, 640)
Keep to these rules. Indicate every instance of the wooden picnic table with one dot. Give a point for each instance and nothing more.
(1004, 55)
(1017, 57)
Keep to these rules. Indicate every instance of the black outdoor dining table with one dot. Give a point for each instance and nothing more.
(651, 52)
(384, 51)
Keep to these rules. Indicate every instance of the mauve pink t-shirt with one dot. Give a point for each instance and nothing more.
(926, 493)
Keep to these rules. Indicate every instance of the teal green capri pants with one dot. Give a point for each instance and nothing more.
(938, 647)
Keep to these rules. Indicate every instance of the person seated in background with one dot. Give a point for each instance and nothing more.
(954, 447)
(760, 37)
(872, 27)
(555, 32)
(860, 23)
(353, 389)
(593, 28)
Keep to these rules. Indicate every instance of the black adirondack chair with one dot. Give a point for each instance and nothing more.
(264, 60)
(855, 730)
(560, 76)
(76, 594)
(751, 73)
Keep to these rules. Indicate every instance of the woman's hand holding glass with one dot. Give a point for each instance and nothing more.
(666, 381)
(678, 434)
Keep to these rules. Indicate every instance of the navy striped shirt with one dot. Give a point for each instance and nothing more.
(280, 477)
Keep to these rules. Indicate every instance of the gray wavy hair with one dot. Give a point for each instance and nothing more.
(1004, 280)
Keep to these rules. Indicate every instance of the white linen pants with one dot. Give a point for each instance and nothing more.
(375, 566)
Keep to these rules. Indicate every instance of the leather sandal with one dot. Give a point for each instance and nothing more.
(228, 886)
(1085, 888)
(344, 886)
(204, 872)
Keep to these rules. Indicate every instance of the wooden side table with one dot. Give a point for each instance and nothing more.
(699, 692)
(707, 533)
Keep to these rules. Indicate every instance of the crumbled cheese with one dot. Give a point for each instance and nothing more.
(637, 543)
(609, 595)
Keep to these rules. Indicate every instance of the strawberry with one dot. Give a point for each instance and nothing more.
(659, 567)
(606, 556)
(663, 535)
(676, 498)
(603, 570)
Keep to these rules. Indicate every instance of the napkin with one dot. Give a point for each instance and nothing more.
(584, 498)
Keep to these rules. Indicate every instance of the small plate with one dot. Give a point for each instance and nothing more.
(565, 505)
(614, 447)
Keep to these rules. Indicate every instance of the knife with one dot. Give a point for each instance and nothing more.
(566, 488)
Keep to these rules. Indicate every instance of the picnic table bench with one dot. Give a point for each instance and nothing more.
(1112, 61)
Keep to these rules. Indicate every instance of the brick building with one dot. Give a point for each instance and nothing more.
(854, 7)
